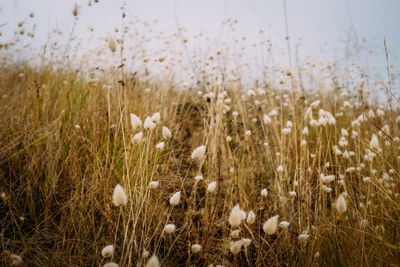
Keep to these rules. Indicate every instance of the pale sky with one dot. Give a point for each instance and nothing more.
(323, 25)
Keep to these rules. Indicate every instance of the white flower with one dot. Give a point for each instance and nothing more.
(153, 262)
(166, 133)
(175, 199)
(284, 224)
(111, 264)
(149, 124)
(280, 168)
(327, 179)
(248, 133)
(196, 248)
(211, 187)
(156, 117)
(305, 131)
(264, 192)
(107, 251)
(341, 205)
(292, 193)
(286, 131)
(271, 225)
(170, 228)
(303, 237)
(235, 233)
(228, 138)
(235, 246)
(160, 146)
(251, 217)
(198, 153)
(374, 144)
(135, 121)
(235, 217)
(153, 184)
(267, 119)
(119, 197)
(198, 178)
(137, 138)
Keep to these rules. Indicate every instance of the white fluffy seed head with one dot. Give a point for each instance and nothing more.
(170, 228)
(235, 218)
(198, 153)
(341, 205)
(251, 217)
(160, 146)
(235, 246)
(111, 264)
(137, 138)
(198, 178)
(284, 224)
(149, 124)
(166, 133)
(15, 259)
(271, 225)
(246, 242)
(211, 187)
(112, 44)
(374, 143)
(196, 248)
(156, 117)
(175, 199)
(153, 184)
(153, 261)
(119, 196)
(136, 122)
(264, 192)
(303, 237)
(107, 251)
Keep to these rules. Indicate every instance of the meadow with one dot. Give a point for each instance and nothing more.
(100, 167)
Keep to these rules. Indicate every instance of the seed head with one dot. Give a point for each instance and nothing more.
(136, 122)
(198, 153)
(271, 225)
(107, 251)
(175, 199)
(341, 205)
(119, 197)
(196, 248)
(153, 261)
(251, 217)
(236, 216)
(170, 228)
(149, 124)
(211, 187)
(166, 133)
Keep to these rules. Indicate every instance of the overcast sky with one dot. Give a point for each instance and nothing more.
(323, 25)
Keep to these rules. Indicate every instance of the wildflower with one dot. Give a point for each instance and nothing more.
(153, 184)
(107, 251)
(235, 233)
(211, 187)
(111, 264)
(166, 133)
(326, 189)
(235, 247)
(374, 144)
(137, 138)
(196, 248)
(267, 119)
(198, 178)
(303, 237)
(344, 132)
(160, 146)
(153, 261)
(341, 205)
(198, 153)
(175, 199)
(170, 228)
(228, 138)
(119, 197)
(327, 179)
(149, 124)
(156, 117)
(251, 217)
(305, 131)
(284, 224)
(308, 116)
(286, 131)
(135, 121)
(15, 259)
(235, 217)
(271, 225)
(246, 242)
(264, 192)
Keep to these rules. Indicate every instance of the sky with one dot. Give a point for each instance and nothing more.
(323, 26)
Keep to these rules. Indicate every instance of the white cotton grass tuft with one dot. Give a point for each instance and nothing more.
(235, 233)
(235, 217)
(198, 153)
(136, 122)
(251, 217)
(15, 259)
(341, 204)
(107, 251)
(284, 224)
(170, 228)
(119, 197)
(374, 143)
(175, 199)
(198, 178)
(166, 133)
(246, 242)
(235, 247)
(271, 225)
(111, 264)
(149, 124)
(112, 44)
(160, 146)
(264, 192)
(154, 184)
(303, 237)
(196, 248)
(327, 178)
(137, 138)
(156, 117)
(211, 187)
(153, 261)
(145, 253)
